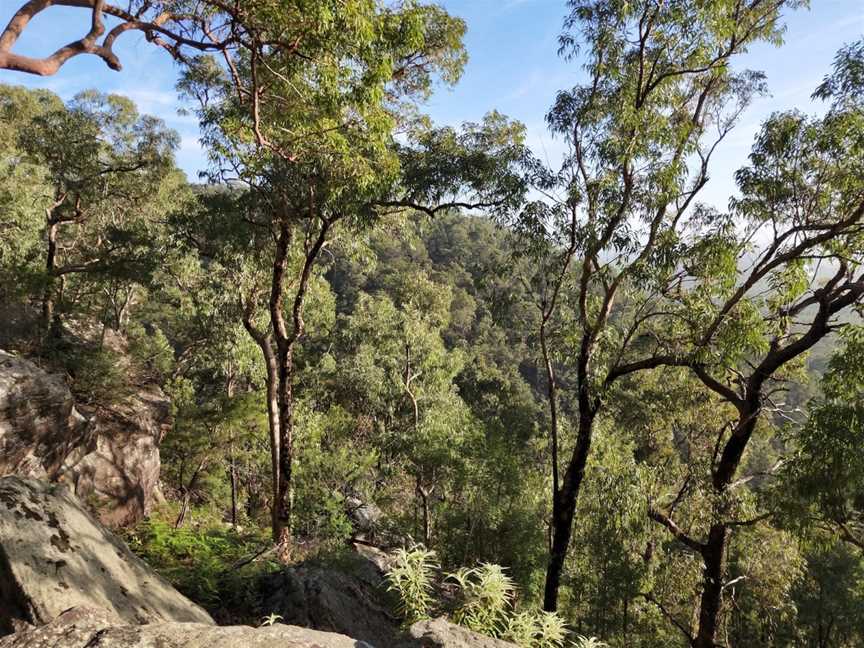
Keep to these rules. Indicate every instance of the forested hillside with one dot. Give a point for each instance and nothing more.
(575, 405)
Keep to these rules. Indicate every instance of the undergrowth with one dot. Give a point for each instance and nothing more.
(204, 562)
(484, 601)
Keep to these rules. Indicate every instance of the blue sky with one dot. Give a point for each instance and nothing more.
(513, 68)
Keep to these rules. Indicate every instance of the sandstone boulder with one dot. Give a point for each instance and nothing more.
(110, 457)
(84, 627)
(440, 633)
(351, 600)
(54, 555)
(94, 628)
(364, 516)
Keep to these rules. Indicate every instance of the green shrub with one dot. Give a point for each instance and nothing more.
(151, 352)
(99, 375)
(536, 629)
(199, 560)
(412, 578)
(486, 596)
(485, 602)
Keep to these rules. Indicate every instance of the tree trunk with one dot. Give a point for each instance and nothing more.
(552, 396)
(284, 502)
(187, 494)
(273, 429)
(564, 510)
(50, 268)
(233, 470)
(427, 514)
(714, 564)
(184, 509)
(284, 364)
(277, 345)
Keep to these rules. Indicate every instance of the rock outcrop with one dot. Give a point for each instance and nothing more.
(350, 600)
(353, 601)
(110, 458)
(54, 555)
(440, 633)
(84, 627)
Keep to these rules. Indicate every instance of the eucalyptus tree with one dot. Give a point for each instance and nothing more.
(107, 167)
(825, 474)
(660, 96)
(305, 123)
(758, 289)
(23, 190)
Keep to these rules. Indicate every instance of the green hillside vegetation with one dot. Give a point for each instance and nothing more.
(581, 384)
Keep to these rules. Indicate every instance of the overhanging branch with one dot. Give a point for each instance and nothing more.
(154, 30)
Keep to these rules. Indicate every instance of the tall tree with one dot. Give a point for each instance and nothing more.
(107, 168)
(24, 193)
(311, 138)
(660, 97)
(751, 324)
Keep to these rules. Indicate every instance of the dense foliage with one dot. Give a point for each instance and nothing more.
(572, 389)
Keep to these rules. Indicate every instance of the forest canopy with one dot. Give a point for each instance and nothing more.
(646, 409)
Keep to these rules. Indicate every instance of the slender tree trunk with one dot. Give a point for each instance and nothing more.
(273, 429)
(187, 494)
(232, 457)
(284, 356)
(284, 503)
(50, 269)
(564, 510)
(233, 470)
(184, 509)
(552, 396)
(423, 494)
(714, 567)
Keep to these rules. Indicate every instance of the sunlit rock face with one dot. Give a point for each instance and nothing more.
(84, 627)
(109, 456)
(54, 555)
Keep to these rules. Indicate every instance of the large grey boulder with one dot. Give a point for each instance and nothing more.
(110, 457)
(84, 627)
(365, 517)
(353, 601)
(54, 555)
(350, 600)
(94, 628)
(440, 633)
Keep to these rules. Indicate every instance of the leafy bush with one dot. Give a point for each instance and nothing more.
(536, 629)
(151, 352)
(412, 578)
(99, 375)
(485, 602)
(486, 597)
